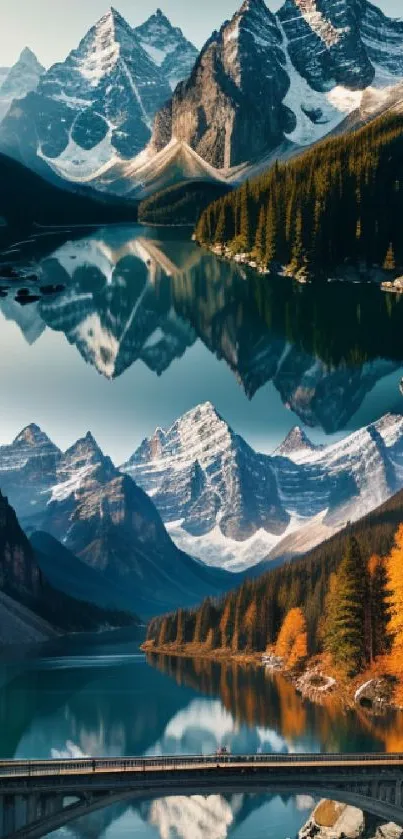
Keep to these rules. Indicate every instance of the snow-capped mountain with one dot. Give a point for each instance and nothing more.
(267, 80)
(264, 86)
(19, 80)
(28, 468)
(97, 107)
(232, 506)
(295, 442)
(167, 47)
(99, 514)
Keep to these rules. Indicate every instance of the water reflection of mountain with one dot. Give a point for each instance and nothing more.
(132, 296)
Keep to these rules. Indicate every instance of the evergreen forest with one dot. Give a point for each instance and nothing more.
(339, 202)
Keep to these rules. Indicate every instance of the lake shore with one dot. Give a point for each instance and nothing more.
(317, 681)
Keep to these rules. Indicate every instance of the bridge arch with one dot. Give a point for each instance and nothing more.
(38, 802)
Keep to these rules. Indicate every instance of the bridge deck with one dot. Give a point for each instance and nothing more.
(86, 766)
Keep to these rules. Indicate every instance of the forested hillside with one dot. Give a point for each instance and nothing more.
(342, 200)
(337, 598)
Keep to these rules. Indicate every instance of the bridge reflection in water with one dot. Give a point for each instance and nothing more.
(39, 797)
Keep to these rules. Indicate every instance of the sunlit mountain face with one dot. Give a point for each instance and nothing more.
(135, 305)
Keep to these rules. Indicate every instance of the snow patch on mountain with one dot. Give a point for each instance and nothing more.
(231, 506)
(167, 47)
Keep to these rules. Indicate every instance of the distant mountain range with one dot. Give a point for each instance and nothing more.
(232, 506)
(134, 110)
(105, 520)
(97, 107)
(19, 80)
(220, 501)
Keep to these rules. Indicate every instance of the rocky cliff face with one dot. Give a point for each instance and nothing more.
(324, 42)
(294, 76)
(238, 81)
(19, 573)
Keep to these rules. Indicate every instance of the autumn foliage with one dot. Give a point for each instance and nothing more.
(292, 642)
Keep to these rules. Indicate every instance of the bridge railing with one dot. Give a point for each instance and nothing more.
(28, 768)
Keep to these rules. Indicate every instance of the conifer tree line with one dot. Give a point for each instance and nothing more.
(340, 201)
(344, 598)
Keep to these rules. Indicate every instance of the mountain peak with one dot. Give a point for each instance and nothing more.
(28, 56)
(296, 441)
(32, 435)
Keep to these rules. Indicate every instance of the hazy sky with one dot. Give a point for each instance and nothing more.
(53, 27)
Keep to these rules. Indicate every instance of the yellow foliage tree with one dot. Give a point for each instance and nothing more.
(292, 643)
(395, 585)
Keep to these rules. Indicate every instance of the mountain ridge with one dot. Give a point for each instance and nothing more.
(228, 504)
(105, 520)
(309, 64)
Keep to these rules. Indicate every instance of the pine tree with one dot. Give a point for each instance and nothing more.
(163, 634)
(390, 261)
(271, 234)
(345, 633)
(260, 236)
(220, 231)
(380, 614)
(245, 231)
(249, 624)
(180, 628)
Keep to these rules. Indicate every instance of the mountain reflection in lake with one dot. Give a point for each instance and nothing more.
(121, 705)
(327, 356)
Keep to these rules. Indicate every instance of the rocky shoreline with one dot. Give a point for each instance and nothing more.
(347, 273)
(374, 695)
(333, 820)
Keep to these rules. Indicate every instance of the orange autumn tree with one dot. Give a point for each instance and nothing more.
(292, 642)
(394, 564)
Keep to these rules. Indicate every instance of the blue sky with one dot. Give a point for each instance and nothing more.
(52, 27)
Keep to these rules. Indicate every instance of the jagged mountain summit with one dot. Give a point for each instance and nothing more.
(167, 47)
(266, 80)
(262, 87)
(239, 79)
(232, 506)
(296, 441)
(105, 520)
(20, 79)
(98, 106)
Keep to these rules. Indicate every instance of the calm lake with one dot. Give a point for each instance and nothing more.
(146, 325)
(101, 697)
(130, 328)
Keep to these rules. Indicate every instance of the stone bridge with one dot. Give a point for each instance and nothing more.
(37, 797)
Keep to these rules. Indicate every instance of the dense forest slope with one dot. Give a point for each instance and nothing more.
(181, 203)
(27, 198)
(341, 201)
(251, 617)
